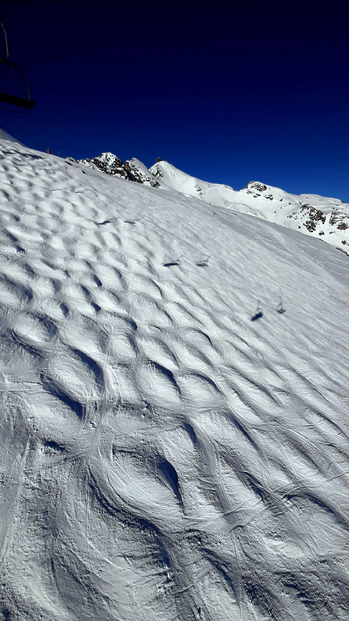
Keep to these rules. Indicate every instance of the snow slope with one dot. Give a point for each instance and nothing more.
(319, 216)
(212, 193)
(172, 446)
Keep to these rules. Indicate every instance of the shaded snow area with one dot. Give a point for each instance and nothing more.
(174, 406)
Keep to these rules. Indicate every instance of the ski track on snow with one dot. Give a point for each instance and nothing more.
(163, 457)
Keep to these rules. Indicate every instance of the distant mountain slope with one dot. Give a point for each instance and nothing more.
(5, 136)
(173, 405)
(212, 193)
(326, 218)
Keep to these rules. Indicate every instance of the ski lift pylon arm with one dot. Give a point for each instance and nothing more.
(22, 102)
(17, 101)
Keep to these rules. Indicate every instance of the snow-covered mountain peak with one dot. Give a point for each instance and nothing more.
(108, 157)
(326, 218)
(211, 193)
(257, 189)
(108, 163)
(132, 170)
(323, 217)
(140, 173)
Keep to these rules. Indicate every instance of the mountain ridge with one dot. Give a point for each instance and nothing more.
(323, 217)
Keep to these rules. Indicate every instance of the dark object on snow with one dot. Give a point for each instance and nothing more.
(258, 313)
(280, 309)
(105, 222)
(257, 316)
(203, 262)
(14, 81)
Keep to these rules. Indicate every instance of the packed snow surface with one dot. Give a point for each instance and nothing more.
(174, 406)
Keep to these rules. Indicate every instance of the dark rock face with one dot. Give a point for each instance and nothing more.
(113, 166)
(255, 188)
(337, 217)
(315, 217)
(140, 173)
(109, 164)
(132, 170)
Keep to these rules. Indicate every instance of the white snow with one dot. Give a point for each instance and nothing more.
(212, 193)
(166, 453)
(319, 216)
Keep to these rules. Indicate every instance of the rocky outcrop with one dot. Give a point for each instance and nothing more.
(109, 164)
(140, 173)
(314, 217)
(132, 170)
(258, 189)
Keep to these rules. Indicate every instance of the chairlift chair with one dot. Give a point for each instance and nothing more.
(14, 84)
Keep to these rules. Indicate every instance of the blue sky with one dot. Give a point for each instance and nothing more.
(226, 91)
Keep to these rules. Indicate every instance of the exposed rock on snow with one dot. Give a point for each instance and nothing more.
(109, 164)
(311, 217)
(162, 456)
(257, 189)
(140, 173)
(326, 218)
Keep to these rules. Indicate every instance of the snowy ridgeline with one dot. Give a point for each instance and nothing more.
(326, 218)
(174, 406)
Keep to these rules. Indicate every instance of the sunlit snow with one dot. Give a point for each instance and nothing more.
(319, 216)
(174, 405)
